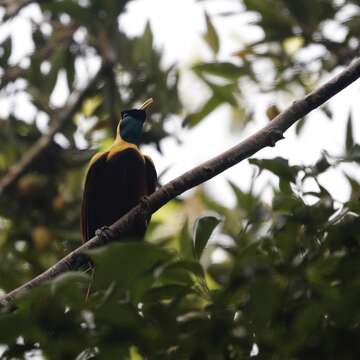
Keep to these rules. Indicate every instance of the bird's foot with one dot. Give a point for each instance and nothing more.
(144, 202)
(81, 262)
(105, 234)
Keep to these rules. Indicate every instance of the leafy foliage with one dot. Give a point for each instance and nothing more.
(270, 280)
(287, 282)
(300, 42)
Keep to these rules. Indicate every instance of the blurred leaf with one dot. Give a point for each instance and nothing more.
(223, 69)
(211, 36)
(167, 292)
(225, 93)
(185, 242)
(278, 166)
(272, 112)
(116, 262)
(79, 13)
(207, 108)
(91, 104)
(353, 154)
(180, 272)
(349, 141)
(321, 165)
(71, 288)
(309, 320)
(244, 199)
(293, 44)
(203, 228)
(5, 49)
(192, 267)
(263, 311)
(300, 126)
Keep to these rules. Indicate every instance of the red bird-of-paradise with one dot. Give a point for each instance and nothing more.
(119, 178)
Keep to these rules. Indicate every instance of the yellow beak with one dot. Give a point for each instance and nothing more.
(146, 104)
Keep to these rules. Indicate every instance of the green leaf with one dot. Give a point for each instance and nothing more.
(349, 141)
(245, 200)
(70, 69)
(78, 13)
(321, 165)
(203, 228)
(224, 69)
(278, 166)
(71, 288)
(211, 36)
(57, 61)
(143, 47)
(127, 261)
(6, 46)
(91, 104)
(195, 118)
(192, 267)
(185, 242)
(180, 272)
(327, 111)
(309, 319)
(353, 154)
(299, 127)
(225, 93)
(262, 311)
(167, 292)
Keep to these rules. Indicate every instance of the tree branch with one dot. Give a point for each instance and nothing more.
(267, 136)
(22, 165)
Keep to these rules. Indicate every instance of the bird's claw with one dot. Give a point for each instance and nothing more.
(105, 234)
(144, 202)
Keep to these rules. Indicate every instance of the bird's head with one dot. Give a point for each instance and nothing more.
(131, 123)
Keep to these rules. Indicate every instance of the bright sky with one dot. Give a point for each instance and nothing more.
(178, 26)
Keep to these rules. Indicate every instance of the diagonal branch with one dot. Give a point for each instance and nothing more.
(21, 166)
(267, 136)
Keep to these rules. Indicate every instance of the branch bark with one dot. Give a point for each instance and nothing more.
(267, 136)
(21, 166)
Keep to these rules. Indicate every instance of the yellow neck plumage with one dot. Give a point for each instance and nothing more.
(118, 146)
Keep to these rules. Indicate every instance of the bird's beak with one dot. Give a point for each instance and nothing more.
(146, 104)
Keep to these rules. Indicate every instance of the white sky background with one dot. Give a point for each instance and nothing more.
(178, 26)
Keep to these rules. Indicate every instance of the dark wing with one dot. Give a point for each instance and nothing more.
(151, 178)
(151, 175)
(113, 186)
(96, 175)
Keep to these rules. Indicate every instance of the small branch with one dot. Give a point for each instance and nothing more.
(267, 136)
(21, 166)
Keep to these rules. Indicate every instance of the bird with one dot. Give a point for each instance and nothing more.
(118, 179)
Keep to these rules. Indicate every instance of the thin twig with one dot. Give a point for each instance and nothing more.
(267, 136)
(22, 165)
